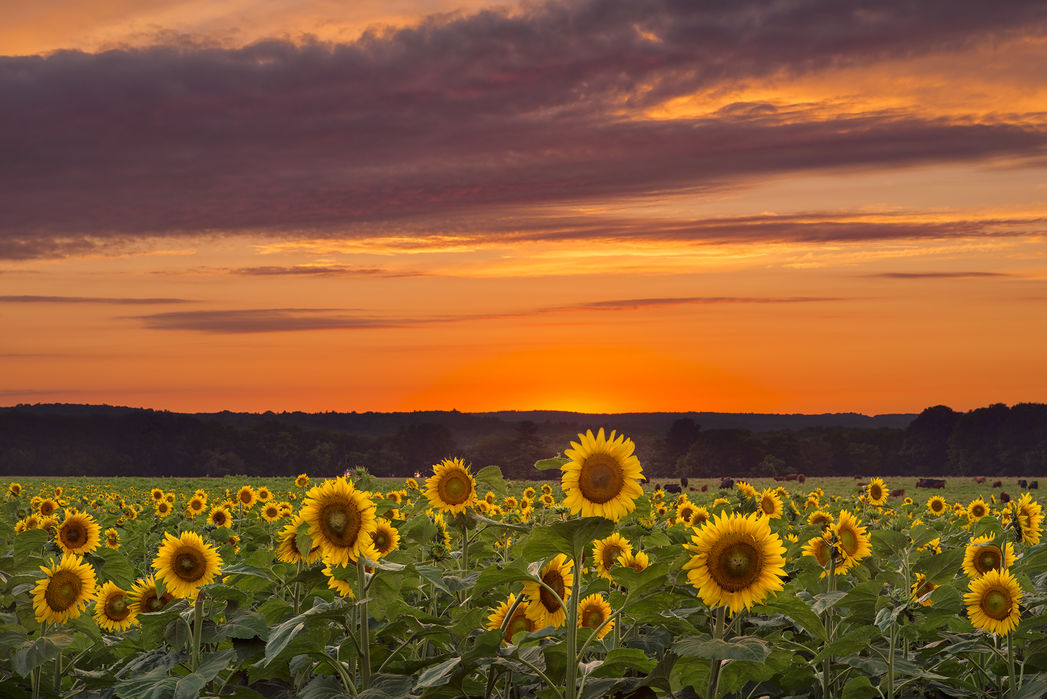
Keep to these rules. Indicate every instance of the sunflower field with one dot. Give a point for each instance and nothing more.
(460, 584)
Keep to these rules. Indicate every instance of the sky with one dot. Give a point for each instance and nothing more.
(593, 205)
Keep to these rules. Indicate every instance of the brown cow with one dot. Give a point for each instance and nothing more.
(979, 479)
(898, 493)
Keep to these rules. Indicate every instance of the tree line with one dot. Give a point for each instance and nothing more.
(103, 441)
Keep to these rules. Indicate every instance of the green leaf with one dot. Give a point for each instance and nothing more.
(323, 687)
(888, 542)
(244, 569)
(797, 610)
(566, 537)
(244, 624)
(947, 599)
(549, 464)
(29, 543)
(619, 660)
(1033, 687)
(742, 648)
(437, 674)
(859, 688)
(940, 567)
(922, 535)
(689, 672)
(827, 600)
(115, 566)
(493, 576)
(35, 653)
(639, 582)
(490, 478)
(1033, 561)
(302, 541)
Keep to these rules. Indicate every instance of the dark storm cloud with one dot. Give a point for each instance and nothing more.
(455, 117)
(261, 320)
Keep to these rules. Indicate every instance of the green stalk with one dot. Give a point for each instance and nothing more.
(1012, 678)
(714, 665)
(465, 547)
(831, 587)
(365, 640)
(890, 661)
(198, 628)
(572, 626)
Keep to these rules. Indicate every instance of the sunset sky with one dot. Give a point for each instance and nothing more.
(593, 205)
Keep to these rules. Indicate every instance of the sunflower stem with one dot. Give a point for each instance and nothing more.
(830, 587)
(891, 643)
(298, 590)
(1012, 678)
(198, 627)
(365, 640)
(572, 625)
(714, 665)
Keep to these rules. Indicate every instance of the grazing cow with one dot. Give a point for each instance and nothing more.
(979, 479)
(1034, 485)
(898, 493)
(857, 478)
(726, 483)
(672, 488)
(657, 486)
(705, 487)
(801, 479)
(997, 484)
(1004, 497)
(931, 483)
(1022, 483)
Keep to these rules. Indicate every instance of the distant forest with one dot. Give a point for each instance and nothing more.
(83, 440)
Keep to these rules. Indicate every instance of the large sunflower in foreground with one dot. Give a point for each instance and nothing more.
(737, 561)
(877, 492)
(287, 544)
(145, 597)
(341, 519)
(519, 621)
(185, 563)
(113, 609)
(65, 591)
(78, 533)
(602, 477)
(992, 602)
(983, 555)
(851, 537)
(606, 552)
(593, 611)
(543, 608)
(451, 488)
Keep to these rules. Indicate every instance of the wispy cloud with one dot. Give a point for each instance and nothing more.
(320, 271)
(260, 320)
(457, 117)
(117, 301)
(938, 275)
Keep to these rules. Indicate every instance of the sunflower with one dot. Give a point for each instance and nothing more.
(936, 505)
(821, 518)
(818, 547)
(519, 621)
(15, 489)
(606, 552)
(245, 497)
(737, 561)
(219, 516)
(113, 609)
(451, 488)
(339, 585)
(547, 489)
(699, 517)
(637, 561)
(384, 538)
(490, 498)
(395, 496)
(195, 506)
(977, 509)
(877, 492)
(264, 494)
(47, 507)
(301, 480)
(745, 488)
(163, 508)
(771, 504)
(271, 512)
(170, 497)
(851, 537)
(1029, 519)
(529, 493)
(145, 597)
(602, 477)
(921, 589)
(593, 611)
(543, 608)
(992, 602)
(340, 518)
(112, 538)
(185, 563)
(547, 500)
(78, 533)
(65, 590)
(684, 512)
(982, 555)
(509, 503)
(156, 494)
(411, 484)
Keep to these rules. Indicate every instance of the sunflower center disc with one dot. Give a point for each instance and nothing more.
(601, 478)
(978, 511)
(456, 489)
(988, 559)
(592, 618)
(518, 623)
(610, 555)
(996, 604)
(554, 580)
(767, 505)
(73, 534)
(875, 492)
(849, 541)
(336, 520)
(63, 590)
(381, 541)
(736, 567)
(153, 604)
(190, 566)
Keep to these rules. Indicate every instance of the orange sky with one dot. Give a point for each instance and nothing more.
(481, 211)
